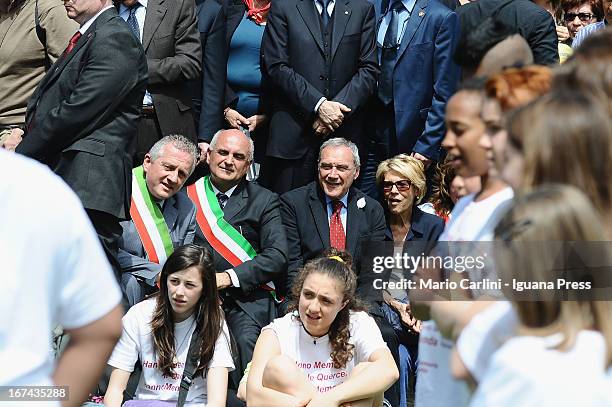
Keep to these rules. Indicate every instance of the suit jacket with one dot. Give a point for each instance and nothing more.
(179, 213)
(424, 77)
(534, 24)
(304, 213)
(424, 227)
(82, 119)
(294, 57)
(171, 41)
(254, 212)
(210, 90)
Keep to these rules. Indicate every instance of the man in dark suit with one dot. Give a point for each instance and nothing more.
(165, 169)
(240, 223)
(416, 40)
(169, 36)
(321, 58)
(83, 117)
(331, 213)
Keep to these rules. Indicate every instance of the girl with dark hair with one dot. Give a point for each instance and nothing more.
(328, 351)
(157, 332)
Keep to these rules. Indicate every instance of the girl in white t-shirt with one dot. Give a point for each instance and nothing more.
(327, 352)
(561, 354)
(157, 332)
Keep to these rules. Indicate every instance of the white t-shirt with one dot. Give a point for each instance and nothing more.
(313, 355)
(526, 371)
(476, 221)
(484, 335)
(470, 221)
(136, 343)
(52, 269)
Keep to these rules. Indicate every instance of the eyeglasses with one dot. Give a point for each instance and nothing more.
(584, 17)
(225, 153)
(339, 167)
(401, 185)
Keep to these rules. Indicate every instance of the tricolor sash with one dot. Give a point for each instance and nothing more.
(149, 220)
(222, 236)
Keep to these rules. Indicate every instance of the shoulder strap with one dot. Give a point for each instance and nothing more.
(42, 36)
(191, 364)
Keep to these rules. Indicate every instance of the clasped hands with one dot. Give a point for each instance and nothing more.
(321, 400)
(329, 117)
(12, 140)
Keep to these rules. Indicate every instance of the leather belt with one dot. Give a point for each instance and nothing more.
(147, 111)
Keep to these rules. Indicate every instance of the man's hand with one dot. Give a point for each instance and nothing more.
(320, 129)
(562, 33)
(332, 114)
(426, 161)
(408, 320)
(256, 120)
(11, 142)
(235, 119)
(223, 280)
(203, 151)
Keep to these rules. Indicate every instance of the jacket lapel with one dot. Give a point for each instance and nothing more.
(61, 63)
(156, 10)
(319, 213)
(308, 12)
(415, 20)
(342, 14)
(236, 202)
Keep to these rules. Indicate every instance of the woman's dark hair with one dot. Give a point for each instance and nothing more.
(440, 189)
(208, 315)
(335, 264)
(596, 6)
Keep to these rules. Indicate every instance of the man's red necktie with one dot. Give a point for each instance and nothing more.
(72, 43)
(337, 238)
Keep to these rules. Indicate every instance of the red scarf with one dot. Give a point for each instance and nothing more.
(257, 14)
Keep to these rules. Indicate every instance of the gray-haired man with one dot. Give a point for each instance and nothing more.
(162, 219)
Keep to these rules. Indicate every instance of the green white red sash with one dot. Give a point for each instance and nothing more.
(222, 236)
(149, 220)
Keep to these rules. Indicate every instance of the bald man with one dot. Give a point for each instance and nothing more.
(240, 223)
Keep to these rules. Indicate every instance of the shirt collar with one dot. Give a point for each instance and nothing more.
(344, 200)
(143, 3)
(408, 5)
(228, 193)
(89, 22)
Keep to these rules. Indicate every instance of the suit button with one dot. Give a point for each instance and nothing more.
(322, 77)
(326, 91)
(325, 44)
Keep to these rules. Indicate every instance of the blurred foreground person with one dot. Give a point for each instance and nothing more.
(50, 278)
(552, 336)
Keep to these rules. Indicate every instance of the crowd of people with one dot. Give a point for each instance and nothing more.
(224, 170)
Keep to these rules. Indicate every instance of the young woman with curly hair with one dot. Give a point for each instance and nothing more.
(326, 353)
(157, 332)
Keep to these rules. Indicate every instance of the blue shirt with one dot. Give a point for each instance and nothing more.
(404, 15)
(586, 31)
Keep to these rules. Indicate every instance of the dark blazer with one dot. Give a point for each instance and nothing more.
(254, 211)
(210, 90)
(424, 227)
(294, 58)
(179, 213)
(425, 76)
(304, 213)
(174, 56)
(534, 24)
(82, 119)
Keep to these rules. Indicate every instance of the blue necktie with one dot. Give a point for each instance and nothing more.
(132, 22)
(324, 14)
(388, 55)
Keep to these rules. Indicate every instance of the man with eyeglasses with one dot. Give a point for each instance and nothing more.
(577, 14)
(599, 23)
(330, 212)
(240, 223)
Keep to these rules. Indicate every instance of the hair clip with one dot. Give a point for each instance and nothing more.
(336, 258)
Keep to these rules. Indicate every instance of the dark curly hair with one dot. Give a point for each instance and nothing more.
(341, 271)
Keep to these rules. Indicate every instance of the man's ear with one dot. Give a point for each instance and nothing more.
(146, 163)
(356, 173)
